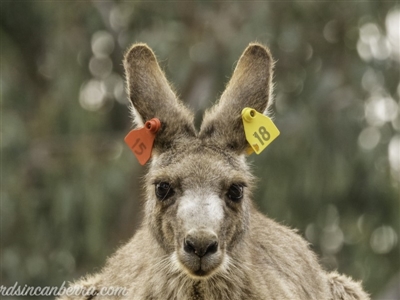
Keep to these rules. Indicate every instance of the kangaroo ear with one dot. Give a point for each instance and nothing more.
(250, 86)
(152, 97)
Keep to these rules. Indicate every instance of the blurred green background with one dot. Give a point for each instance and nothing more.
(71, 190)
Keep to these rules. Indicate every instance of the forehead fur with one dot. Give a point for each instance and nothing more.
(197, 164)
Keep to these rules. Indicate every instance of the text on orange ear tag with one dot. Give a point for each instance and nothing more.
(141, 140)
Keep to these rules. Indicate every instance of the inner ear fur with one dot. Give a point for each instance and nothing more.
(152, 97)
(250, 86)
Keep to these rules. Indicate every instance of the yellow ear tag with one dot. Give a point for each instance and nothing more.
(260, 131)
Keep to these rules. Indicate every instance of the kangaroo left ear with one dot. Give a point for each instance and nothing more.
(152, 97)
(250, 86)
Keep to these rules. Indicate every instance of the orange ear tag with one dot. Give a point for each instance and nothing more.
(141, 140)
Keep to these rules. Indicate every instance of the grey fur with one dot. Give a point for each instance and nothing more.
(256, 257)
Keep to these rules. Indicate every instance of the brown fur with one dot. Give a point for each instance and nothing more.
(255, 258)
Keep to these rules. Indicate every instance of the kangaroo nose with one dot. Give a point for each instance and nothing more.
(200, 243)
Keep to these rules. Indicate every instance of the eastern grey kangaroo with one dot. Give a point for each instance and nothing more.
(202, 238)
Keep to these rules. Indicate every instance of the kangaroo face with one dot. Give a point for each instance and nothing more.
(198, 206)
(198, 183)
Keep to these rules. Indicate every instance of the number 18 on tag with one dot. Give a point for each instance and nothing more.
(260, 131)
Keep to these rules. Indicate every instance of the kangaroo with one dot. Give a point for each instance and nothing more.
(202, 237)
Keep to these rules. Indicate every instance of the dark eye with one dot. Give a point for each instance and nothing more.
(235, 192)
(163, 190)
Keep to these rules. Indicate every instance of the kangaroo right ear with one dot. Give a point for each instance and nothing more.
(152, 97)
(250, 86)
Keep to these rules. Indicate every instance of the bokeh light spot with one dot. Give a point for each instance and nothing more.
(120, 16)
(92, 95)
(379, 110)
(369, 33)
(369, 138)
(393, 31)
(383, 239)
(100, 67)
(330, 31)
(102, 43)
(394, 153)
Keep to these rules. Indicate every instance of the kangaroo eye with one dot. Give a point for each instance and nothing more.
(235, 192)
(163, 191)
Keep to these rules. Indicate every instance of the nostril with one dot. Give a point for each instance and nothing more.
(212, 248)
(189, 246)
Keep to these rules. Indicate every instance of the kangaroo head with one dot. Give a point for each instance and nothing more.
(198, 185)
